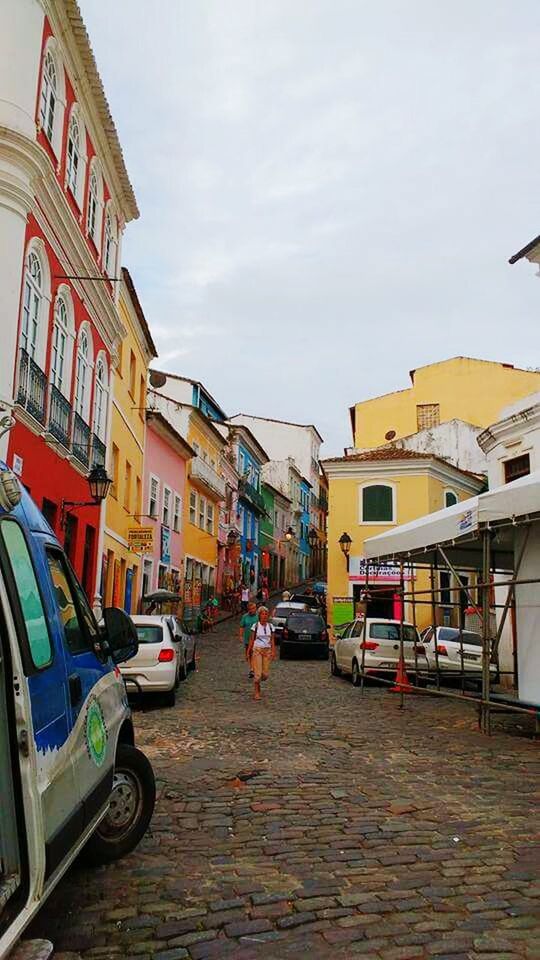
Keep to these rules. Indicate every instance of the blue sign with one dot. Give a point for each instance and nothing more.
(165, 545)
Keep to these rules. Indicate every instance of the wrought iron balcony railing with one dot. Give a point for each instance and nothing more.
(98, 451)
(249, 492)
(59, 416)
(32, 388)
(81, 439)
(202, 471)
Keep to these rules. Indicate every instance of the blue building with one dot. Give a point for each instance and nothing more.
(304, 549)
(249, 457)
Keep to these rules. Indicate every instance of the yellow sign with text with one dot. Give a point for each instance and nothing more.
(141, 539)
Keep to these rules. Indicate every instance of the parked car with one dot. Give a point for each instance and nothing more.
(280, 614)
(311, 601)
(304, 630)
(381, 648)
(449, 653)
(71, 779)
(166, 653)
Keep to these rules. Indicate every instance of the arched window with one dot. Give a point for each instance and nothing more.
(109, 245)
(59, 346)
(48, 96)
(450, 498)
(92, 216)
(82, 376)
(73, 156)
(100, 399)
(31, 304)
(377, 504)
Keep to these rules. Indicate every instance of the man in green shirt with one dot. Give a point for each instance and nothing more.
(246, 624)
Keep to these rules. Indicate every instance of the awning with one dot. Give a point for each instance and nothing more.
(457, 528)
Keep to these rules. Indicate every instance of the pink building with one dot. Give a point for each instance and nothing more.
(165, 459)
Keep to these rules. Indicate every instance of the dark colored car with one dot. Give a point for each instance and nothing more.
(281, 614)
(304, 630)
(309, 599)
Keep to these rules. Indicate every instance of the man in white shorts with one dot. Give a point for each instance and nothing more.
(261, 650)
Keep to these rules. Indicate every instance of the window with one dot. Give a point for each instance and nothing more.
(210, 518)
(192, 507)
(81, 377)
(80, 629)
(109, 250)
(427, 415)
(100, 400)
(377, 504)
(147, 577)
(73, 156)
(48, 97)
(132, 373)
(29, 597)
(450, 498)
(59, 341)
(154, 496)
(138, 504)
(92, 217)
(31, 307)
(127, 485)
(446, 596)
(517, 467)
(114, 470)
(390, 631)
(202, 512)
(166, 515)
(196, 447)
(177, 515)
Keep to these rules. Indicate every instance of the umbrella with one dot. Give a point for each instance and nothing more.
(162, 596)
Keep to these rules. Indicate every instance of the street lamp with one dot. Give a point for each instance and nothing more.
(289, 535)
(99, 484)
(312, 537)
(345, 544)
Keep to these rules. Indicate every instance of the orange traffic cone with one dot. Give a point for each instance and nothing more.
(402, 684)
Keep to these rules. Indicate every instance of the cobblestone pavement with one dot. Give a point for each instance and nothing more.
(319, 823)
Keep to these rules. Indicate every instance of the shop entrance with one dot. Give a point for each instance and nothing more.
(381, 603)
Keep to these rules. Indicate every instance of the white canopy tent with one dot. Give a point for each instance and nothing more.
(497, 531)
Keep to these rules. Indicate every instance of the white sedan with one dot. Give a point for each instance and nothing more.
(166, 653)
(377, 646)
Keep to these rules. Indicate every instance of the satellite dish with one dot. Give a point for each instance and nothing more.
(157, 379)
(390, 435)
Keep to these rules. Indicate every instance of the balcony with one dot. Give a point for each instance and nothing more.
(252, 495)
(99, 451)
(32, 390)
(202, 472)
(59, 416)
(81, 440)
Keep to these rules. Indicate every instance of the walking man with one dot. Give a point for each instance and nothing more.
(261, 650)
(246, 623)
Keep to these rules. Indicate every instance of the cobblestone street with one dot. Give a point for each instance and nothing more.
(318, 823)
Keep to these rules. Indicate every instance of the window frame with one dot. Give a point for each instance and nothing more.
(166, 506)
(46, 115)
(377, 523)
(512, 460)
(101, 398)
(449, 491)
(209, 518)
(193, 507)
(177, 513)
(74, 161)
(152, 477)
(15, 606)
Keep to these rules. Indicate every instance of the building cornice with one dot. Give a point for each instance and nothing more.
(511, 428)
(446, 473)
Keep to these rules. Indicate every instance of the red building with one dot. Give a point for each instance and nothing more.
(73, 202)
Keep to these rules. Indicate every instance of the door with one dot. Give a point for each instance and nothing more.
(129, 590)
(11, 878)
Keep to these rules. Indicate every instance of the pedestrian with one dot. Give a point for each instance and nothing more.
(285, 596)
(261, 650)
(246, 623)
(244, 597)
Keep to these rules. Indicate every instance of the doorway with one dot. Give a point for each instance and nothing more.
(380, 602)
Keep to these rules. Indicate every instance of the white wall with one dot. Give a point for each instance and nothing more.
(517, 433)
(528, 615)
(454, 440)
(282, 440)
(21, 31)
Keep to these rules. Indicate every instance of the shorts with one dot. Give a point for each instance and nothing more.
(260, 663)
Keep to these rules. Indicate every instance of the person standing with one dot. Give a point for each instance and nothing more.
(246, 623)
(244, 597)
(261, 650)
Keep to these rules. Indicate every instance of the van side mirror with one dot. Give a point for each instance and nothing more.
(120, 635)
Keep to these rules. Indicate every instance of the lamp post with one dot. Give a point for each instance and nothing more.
(345, 544)
(99, 484)
(313, 539)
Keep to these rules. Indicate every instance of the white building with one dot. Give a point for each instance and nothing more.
(512, 445)
(281, 440)
(454, 440)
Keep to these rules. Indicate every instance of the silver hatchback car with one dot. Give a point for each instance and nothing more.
(166, 654)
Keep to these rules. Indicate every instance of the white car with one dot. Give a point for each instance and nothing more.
(455, 655)
(380, 645)
(166, 653)
(281, 613)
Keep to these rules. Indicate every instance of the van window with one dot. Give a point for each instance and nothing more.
(390, 631)
(76, 627)
(148, 634)
(39, 642)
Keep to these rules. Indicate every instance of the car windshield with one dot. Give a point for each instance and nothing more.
(451, 634)
(390, 631)
(284, 612)
(148, 634)
(306, 621)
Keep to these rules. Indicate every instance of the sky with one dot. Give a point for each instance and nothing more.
(329, 190)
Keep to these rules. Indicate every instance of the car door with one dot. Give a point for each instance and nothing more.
(339, 646)
(355, 638)
(189, 640)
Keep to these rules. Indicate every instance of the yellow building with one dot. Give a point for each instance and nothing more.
(205, 489)
(461, 388)
(120, 578)
(370, 493)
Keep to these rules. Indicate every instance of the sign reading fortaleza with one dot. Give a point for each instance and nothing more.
(141, 539)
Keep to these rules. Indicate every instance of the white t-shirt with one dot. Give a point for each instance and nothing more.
(245, 594)
(263, 636)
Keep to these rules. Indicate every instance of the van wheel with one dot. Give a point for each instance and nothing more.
(355, 676)
(131, 807)
(334, 669)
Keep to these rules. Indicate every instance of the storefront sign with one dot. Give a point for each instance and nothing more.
(377, 572)
(165, 545)
(141, 539)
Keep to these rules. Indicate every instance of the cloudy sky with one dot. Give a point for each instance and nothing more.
(329, 189)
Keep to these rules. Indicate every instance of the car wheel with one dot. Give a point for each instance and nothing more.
(283, 651)
(130, 810)
(334, 669)
(355, 676)
(183, 672)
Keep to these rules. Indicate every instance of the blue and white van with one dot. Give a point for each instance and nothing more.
(69, 769)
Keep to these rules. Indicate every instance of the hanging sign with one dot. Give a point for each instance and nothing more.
(141, 539)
